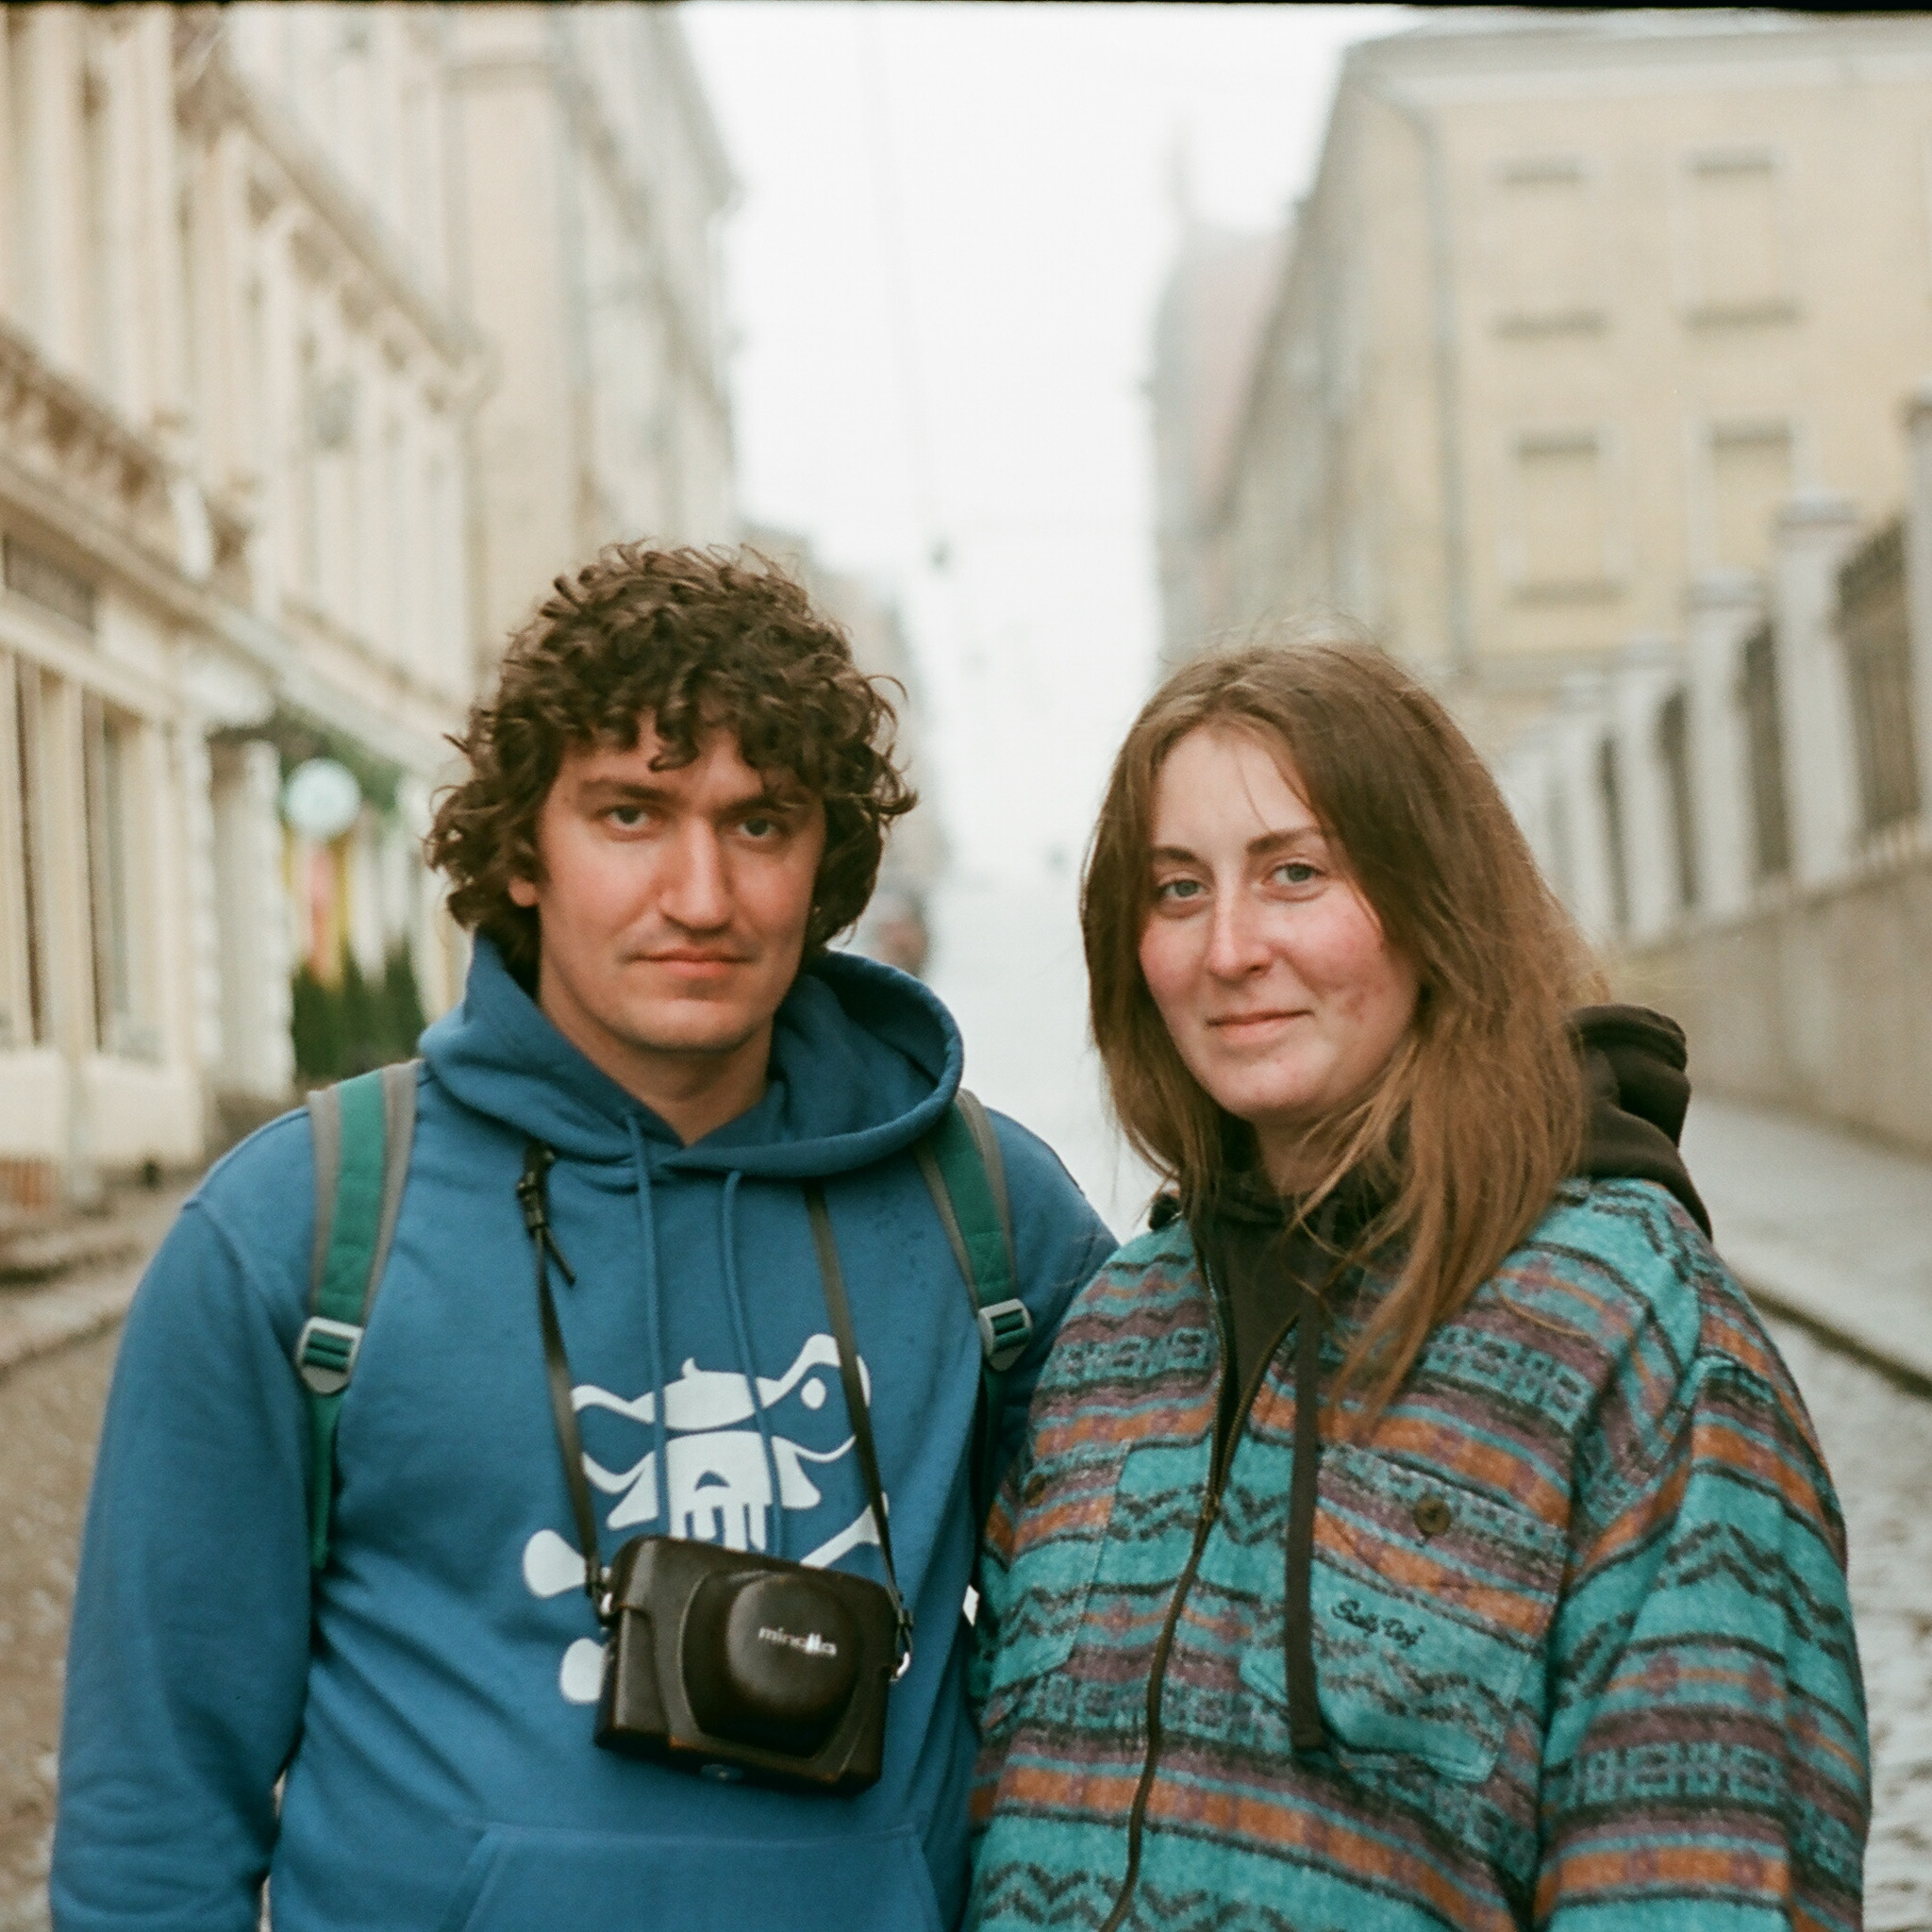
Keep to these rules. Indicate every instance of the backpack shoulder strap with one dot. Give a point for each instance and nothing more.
(361, 1129)
(967, 1179)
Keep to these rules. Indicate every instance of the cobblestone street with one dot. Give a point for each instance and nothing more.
(50, 1413)
(1879, 1441)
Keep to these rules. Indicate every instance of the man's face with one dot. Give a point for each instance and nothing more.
(674, 907)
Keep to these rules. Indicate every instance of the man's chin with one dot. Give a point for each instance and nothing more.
(705, 1032)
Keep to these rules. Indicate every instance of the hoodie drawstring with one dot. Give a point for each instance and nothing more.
(740, 1337)
(654, 1325)
(1306, 1734)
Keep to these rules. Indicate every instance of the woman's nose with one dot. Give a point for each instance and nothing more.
(1235, 946)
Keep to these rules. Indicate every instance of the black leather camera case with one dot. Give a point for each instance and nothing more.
(744, 1666)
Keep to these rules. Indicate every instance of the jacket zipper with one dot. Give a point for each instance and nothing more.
(1226, 1427)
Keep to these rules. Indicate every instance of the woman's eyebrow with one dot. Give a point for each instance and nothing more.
(1283, 841)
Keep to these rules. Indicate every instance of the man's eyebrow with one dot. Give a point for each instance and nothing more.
(625, 790)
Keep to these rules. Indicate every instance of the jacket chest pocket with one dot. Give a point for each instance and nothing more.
(1430, 1603)
(1119, 1529)
(1056, 1545)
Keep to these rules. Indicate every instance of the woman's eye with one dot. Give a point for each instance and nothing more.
(1297, 872)
(1176, 891)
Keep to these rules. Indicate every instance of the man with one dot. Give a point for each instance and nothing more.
(676, 797)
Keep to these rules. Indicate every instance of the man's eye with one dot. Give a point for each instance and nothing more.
(762, 826)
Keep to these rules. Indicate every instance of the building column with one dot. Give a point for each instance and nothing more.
(1724, 607)
(257, 1052)
(1919, 581)
(1648, 674)
(1579, 829)
(1815, 533)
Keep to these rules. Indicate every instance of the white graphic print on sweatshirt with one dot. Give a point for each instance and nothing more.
(717, 1475)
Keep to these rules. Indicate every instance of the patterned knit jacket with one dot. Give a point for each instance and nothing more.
(1584, 1652)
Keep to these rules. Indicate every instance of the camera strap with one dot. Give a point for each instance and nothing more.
(833, 1279)
(532, 1197)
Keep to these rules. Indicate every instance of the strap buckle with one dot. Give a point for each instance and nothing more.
(1006, 1329)
(326, 1354)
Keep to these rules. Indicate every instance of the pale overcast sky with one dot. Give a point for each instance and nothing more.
(953, 224)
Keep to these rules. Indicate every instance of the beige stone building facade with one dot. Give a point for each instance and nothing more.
(1576, 303)
(270, 468)
(593, 181)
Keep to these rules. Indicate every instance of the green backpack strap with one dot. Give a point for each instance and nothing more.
(361, 1129)
(967, 1178)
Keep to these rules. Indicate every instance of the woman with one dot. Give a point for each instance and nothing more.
(1410, 1533)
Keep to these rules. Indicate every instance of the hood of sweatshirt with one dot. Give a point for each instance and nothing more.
(1634, 1062)
(864, 1061)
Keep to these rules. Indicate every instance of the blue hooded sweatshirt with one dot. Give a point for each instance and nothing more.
(430, 1696)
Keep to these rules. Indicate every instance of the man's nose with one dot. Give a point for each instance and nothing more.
(697, 890)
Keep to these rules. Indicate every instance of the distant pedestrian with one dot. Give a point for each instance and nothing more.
(671, 1315)
(1418, 1530)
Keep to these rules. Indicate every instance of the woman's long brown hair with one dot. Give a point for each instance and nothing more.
(1478, 1114)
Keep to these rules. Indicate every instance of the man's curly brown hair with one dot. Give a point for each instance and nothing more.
(695, 641)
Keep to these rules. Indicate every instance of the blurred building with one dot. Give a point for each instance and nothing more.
(591, 182)
(278, 466)
(1746, 819)
(894, 925)
(1575, 302)
(1205, 333)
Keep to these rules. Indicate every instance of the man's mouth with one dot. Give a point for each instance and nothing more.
(697, 965)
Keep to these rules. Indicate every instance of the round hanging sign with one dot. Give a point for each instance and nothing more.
(321, 799)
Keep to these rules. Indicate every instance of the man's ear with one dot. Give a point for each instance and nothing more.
(523, 892)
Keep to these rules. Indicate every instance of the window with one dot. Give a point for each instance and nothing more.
(1750, 479)
(1562, 542)
(1758, 699)
(1545, 246)
(24, 1018)
(1875, 631)
(1735, 265)
(1673, 755)
(109, 767)
(1610, 781)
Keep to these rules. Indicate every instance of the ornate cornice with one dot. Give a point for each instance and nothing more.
(340, 230)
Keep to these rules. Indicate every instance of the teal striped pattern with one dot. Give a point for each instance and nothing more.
(1584, 1649)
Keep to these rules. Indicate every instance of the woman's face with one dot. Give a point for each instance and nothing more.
(1282, 997)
